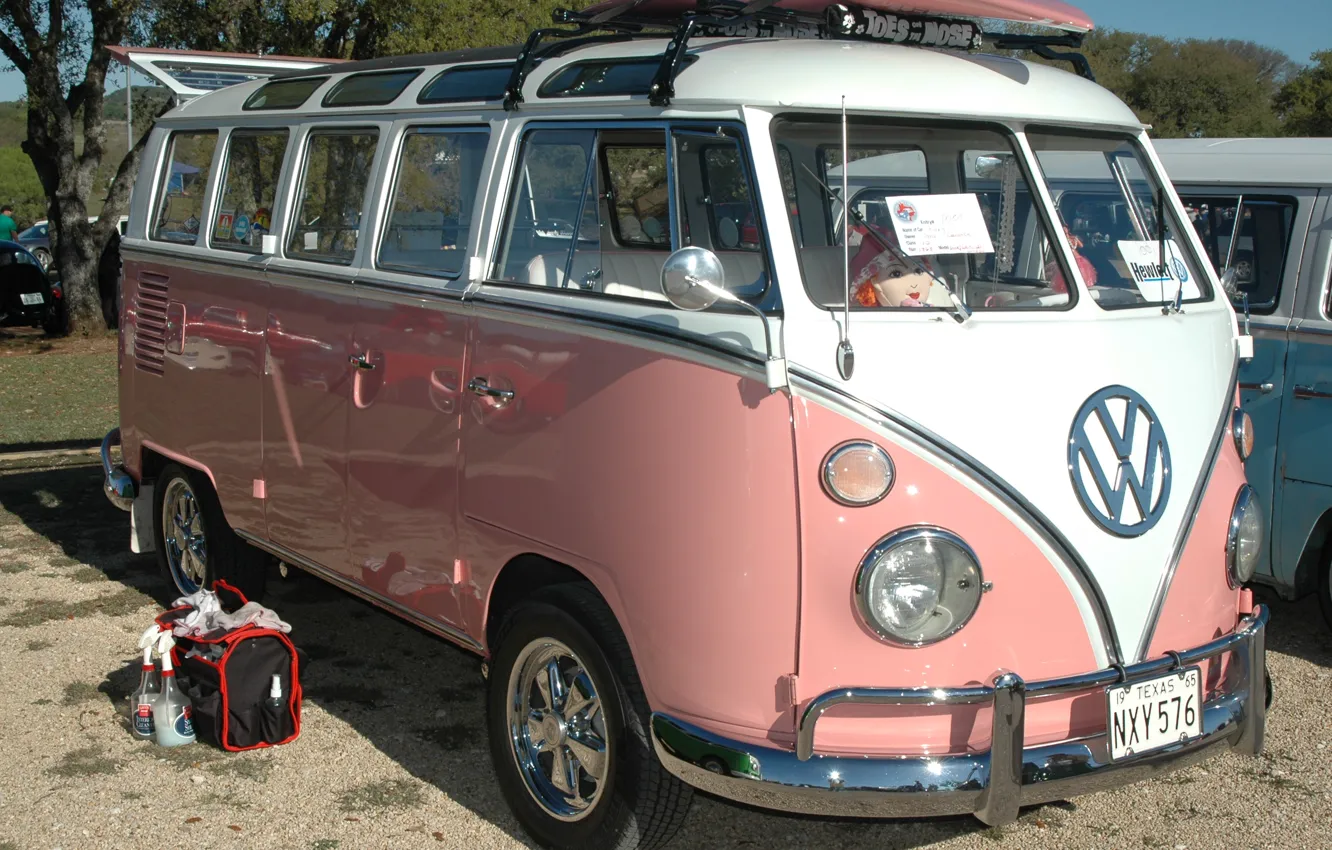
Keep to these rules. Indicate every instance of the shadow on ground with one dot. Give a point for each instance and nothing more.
(418, 699)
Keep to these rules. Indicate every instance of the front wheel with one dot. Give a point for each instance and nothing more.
(43, 256)
(569, 729)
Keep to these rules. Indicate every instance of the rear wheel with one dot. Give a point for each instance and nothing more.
(569, 729)
(195, 545)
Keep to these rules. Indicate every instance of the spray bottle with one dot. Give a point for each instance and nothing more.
(171, 714)
(145, 698)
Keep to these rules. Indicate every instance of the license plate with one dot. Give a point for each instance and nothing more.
(1154, 713)
(31, 299)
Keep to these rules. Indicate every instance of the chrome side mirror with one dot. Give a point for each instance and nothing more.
(1228, 278)
(693, 279)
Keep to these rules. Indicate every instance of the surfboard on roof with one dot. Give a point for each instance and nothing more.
(1052, 13)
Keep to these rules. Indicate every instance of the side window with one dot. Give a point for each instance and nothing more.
(1261, 240)
(546, 202)
(434, 196)
(327, 223)
(636, 177)
(179, 208)
(249, 185)
(718, 209)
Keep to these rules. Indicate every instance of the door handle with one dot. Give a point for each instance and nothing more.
(361, 361)
(481, 386)
(1310, 392)
(1264, 387)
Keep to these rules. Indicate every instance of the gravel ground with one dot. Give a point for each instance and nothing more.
(392, 752)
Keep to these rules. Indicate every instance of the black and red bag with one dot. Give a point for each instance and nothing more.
(228, 681)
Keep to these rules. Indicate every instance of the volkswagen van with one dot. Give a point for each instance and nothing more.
(585, 356)
(1263, 209)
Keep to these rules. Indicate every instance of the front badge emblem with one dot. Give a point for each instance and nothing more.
(1119, 461)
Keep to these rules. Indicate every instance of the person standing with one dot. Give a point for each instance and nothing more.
(8, 227)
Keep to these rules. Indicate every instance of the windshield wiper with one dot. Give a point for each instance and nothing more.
(959, 310)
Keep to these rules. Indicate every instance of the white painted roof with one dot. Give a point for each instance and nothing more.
(786, 74)
(1268, 162)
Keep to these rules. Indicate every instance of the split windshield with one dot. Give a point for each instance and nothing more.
(939, 207)
(1126, 234)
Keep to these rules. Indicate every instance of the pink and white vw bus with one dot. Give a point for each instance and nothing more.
(752, 386)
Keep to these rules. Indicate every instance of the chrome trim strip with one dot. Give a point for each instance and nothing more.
(119, 487)
(1311, 330)
(287, 556)
(1190, 514)
(817, 388)
(692, 347)
(194, 261)
(990, 785)
(372, 287)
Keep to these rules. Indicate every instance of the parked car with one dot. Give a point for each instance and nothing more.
(27, 296)
(37, 238)
(1263, 209)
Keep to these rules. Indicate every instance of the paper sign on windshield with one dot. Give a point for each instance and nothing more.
(940, 224)
(1157, 281)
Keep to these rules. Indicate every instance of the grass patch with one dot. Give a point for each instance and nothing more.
(994, 833)
(190, 757)
(14, 567)
(39, 645)
(58, 398)
(80, 692)
(226, 801)
(380, 796)
(127, 600)
(88, 575)
(317, 844)
(245, 768)
(452, 736)
(88, 761)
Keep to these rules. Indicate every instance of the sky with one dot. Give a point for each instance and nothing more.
(1296, 27)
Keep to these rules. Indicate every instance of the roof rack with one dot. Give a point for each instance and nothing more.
(747, 18)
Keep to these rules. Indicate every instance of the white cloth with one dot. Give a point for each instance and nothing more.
(208, 616)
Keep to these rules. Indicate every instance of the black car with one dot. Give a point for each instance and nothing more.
(27, 296)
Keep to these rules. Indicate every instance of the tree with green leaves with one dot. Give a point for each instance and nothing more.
(346, 29)
(60, 47)
(1305, 102)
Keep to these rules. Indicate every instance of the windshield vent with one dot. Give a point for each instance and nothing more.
(150, 323)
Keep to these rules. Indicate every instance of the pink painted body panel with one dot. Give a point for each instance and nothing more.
(204, 408)
(1200, 604)
(668, 483)
(1028, 623)
(307, 391)
(403, 453)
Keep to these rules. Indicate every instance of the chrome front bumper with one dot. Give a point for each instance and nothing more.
(116, 482)
(991, 785)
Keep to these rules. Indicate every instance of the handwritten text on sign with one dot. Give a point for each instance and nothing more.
(940, 224)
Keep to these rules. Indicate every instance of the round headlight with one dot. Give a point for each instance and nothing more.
(857, 474)
(1241, 426)
(918, 585)
(1244, 537)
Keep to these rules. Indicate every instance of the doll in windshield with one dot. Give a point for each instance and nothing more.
(884, 278)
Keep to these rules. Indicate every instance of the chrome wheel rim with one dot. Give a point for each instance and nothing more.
(183, 537)
(557, 730)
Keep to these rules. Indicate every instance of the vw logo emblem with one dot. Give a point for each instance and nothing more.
(1119, 461)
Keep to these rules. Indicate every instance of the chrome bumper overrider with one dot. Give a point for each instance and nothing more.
(990, 785)
(116, 482)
